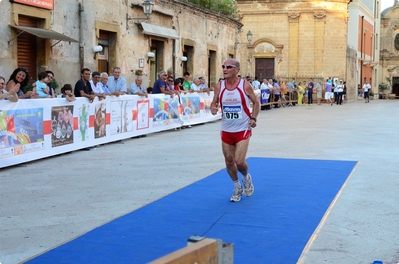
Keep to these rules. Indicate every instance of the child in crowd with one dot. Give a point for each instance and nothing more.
(66, 91)
(41, 87)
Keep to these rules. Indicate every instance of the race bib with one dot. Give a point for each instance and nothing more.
(232, 112)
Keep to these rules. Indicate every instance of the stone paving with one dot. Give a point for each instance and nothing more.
(48, 202)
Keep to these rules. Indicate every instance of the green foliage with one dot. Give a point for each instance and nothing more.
(382, 86)
(224, 7)
(54, 84)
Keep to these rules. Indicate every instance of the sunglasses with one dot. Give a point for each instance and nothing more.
(228, 66)
(170, 80)
(23, 69)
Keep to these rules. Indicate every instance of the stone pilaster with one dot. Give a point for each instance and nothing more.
(293, 19)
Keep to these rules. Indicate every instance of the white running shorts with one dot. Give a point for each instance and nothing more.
(329, 95)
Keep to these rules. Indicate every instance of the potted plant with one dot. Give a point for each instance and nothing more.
(383, 93)
(371, 95)
(139, 72)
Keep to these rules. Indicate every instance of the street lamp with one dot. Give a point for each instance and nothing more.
(147, 9)
(249, 39)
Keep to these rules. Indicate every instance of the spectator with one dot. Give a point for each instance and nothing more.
(3, 93)
(149, 90)
(187, 81)
(160, 85)
(256, 83)
(41, 86)
(96, 85)
(83, 87)
(344, 93)
(195, 86)
(328, 92)
(137, 89)
(50, 77)
(310, 91)
(359, 90)
(301, 91)
(340, 88)
(103, 84)
(19, 76)
(276, 92)
(66, 91)
(335, 87)
(116, 83)
(177, 84)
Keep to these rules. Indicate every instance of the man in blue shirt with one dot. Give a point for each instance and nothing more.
(116, 83)
(310, 92)
(137, 89)
(160, 85)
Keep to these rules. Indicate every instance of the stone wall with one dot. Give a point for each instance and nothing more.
(309, 37)
(204, 30)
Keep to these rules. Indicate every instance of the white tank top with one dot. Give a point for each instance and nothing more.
(235, 108)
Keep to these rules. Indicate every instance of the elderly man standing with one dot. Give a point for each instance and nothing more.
(137, 89)
(234, 96)
(116, 83)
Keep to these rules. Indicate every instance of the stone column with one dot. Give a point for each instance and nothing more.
(319, 42)
(293, 19)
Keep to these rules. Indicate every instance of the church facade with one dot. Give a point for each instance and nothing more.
(389, 51)
(302, 40)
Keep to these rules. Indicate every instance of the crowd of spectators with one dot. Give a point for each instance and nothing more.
(96, 84)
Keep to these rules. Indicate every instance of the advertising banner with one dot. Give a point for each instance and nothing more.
(31, 129)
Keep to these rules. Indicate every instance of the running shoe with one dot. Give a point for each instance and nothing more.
(236, 197)
(248, 186)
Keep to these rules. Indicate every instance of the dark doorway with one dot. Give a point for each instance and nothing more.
(395, 87)
(264, 68)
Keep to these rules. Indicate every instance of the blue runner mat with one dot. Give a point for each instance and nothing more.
(272, 226)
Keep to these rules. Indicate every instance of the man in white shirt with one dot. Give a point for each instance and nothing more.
(366, 90)
(96, 85)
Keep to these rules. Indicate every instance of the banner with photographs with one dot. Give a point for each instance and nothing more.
(29, 132)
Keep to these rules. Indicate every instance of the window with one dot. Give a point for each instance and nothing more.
(396, 42)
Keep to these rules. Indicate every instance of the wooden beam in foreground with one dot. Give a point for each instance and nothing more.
(205, 251)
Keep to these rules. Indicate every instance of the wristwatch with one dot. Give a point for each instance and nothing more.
(253, 118)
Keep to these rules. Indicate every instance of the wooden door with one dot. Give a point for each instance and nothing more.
(27, 47)
(264, 68)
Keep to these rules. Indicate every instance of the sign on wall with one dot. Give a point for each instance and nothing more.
(46, 4)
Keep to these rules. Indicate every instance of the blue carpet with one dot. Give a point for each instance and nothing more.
(272, 226)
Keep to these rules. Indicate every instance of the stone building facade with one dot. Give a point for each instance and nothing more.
(300, 39)
(389, 50)
(175, 29)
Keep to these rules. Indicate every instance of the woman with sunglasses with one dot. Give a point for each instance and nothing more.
(234, 95)
(19, 76)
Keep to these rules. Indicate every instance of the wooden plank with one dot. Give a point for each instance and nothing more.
(203, 252)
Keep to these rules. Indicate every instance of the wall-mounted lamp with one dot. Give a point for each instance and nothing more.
(147, 9)
(150, 55)
(249, 39)
(97, 49)
(183, 58)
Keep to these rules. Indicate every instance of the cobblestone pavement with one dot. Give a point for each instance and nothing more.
(48, 202)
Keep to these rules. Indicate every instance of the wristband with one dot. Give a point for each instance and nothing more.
(253, 118)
